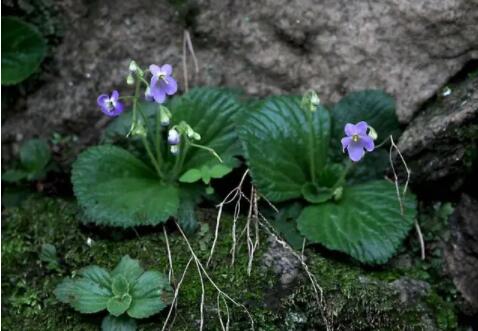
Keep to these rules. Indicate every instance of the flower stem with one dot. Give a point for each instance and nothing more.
(210, 150)
(341, 180)
(144, 138)
(311, 146)
(158, 137)
(151, 157)
(178, 165)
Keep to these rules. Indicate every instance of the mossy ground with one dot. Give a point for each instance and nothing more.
(356, 299)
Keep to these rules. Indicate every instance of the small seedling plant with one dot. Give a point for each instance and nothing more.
(35, 162)
(128, 292)
(295, 149)
(158, 159)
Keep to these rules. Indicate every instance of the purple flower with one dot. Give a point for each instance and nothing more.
(173, 137)
(110, 105)
(162, 83)
(357, 140)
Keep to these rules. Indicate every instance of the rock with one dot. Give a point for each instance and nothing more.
(409, 48)
(411, 290)
(461, 253)
(281, 261)
(438, 144)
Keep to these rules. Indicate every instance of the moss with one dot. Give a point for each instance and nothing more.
(355, 299)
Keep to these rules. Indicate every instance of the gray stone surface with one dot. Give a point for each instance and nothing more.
(461, 253)
(409, 48)
(438, 144)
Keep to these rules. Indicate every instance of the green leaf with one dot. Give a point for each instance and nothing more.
(117, 305)
(278, 148)
(115, 188)
(219, 170)
(365, 223)
(128, 268)
(209, 112)
(286, 224)
(97, 274)
(315, 194)
(35, 156)
(83, 294)
(120, 285)
(120, 323)
(191, 176)
(14, 175)
(48, 255)
(151, 294)
(23, 49)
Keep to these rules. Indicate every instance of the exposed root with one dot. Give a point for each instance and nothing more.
(188, 45)
(203, 272)
(175, 297)
(404, 191)
(235, 193)
(170, 258)
(224, 327)
(253, 216)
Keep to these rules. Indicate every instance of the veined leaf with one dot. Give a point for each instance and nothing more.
(83, 294)
(115, 188)
(23, 50)
(366, 222)
(120, 323)
(279, 149)
(151, 294)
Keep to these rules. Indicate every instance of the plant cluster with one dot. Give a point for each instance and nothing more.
(128, 292)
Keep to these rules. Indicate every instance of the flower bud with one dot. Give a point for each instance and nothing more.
(174, 149)
(133, 66)
(130, 79)
(173, 137)
(196, 136)
(137, 129)
(372, 133)
(310, 101)
(164, 115)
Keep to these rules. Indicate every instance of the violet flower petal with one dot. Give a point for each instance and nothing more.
(346, 141)
(154, 69)
(158, 94)
(167, 69)
(361, 128)
(102, 100)
(349, 129)
(367, 143)
(356, 151)
(170, 86)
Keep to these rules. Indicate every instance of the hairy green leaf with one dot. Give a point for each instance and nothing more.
(97, 274)
(281, 146)
(35, 156)
(14, 175)
(118, 304)
(366, 222)
(120, 323)
(128, 268)
(119, 285)
(83, 294)
(151, 294)
(115, 188)
(23, 50)
(191, 176)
